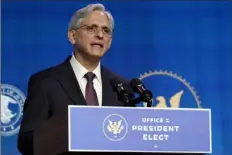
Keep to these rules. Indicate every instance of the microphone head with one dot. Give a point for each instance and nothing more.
(138, 86)
(135, 83)
(118, 87)
(115, 83)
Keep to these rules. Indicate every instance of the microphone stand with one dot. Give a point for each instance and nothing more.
(140, 99)
(149, 104)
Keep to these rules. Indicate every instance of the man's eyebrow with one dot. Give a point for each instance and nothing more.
(106, 27)
(103, 26)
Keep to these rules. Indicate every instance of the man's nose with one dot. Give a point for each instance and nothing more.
(99, 34)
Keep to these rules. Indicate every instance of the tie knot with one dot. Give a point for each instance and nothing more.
(90, 76)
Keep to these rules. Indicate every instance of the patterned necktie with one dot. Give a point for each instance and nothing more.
(90, 93)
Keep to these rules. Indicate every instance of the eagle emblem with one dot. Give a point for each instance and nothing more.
(115, 127)
(12, 102)
(6, 113)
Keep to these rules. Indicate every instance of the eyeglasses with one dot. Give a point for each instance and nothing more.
(94, 29)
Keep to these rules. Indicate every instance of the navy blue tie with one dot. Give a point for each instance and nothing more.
(90, 93)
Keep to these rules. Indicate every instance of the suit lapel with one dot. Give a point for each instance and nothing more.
(68, 81)
(108, 96)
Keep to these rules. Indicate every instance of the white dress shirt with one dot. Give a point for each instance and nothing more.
(80, 71)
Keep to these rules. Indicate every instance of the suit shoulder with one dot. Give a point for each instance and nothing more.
(44, 74)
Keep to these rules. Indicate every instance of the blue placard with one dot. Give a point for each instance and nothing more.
(139, 129)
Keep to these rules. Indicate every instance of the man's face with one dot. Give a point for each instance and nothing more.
(94, 36)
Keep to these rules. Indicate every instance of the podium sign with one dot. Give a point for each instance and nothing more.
(139, 129)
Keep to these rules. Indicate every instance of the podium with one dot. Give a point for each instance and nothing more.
(126, 129)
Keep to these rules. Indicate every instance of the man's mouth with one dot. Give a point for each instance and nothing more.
(97, 44)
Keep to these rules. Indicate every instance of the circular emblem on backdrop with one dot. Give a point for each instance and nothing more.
(12, 101)
(115, 127)
(170, 90)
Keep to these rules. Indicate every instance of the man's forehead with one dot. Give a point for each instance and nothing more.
(97, 18)
(102, 13)
(98, 12)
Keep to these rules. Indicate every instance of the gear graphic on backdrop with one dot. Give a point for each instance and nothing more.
(177, 77)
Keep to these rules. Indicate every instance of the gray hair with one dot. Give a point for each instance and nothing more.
(80, 14)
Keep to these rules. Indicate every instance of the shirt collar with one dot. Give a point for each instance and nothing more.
(80, 70)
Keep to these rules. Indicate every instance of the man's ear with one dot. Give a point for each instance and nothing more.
(72, 36)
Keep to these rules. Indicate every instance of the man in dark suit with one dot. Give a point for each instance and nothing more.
(79, 80)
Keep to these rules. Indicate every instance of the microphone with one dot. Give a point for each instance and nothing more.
(118, 87)
(145, 95)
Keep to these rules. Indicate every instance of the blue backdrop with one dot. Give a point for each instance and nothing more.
(186, 46)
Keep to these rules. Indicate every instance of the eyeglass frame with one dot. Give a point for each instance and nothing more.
(95, 30)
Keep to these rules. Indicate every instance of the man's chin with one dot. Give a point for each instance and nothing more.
(95, 56)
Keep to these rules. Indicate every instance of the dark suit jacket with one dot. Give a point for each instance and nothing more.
(49, 93)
